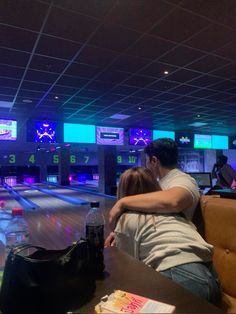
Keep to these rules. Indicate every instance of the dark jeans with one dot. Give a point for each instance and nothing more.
(200, 278)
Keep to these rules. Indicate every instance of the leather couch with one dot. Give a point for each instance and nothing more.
(219, 229)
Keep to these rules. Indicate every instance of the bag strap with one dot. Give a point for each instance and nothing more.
(22, 247)
(16, 250)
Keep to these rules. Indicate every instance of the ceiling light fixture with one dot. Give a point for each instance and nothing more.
(118, 116)
(139, 108)
(27, 101)
(198, 124)
(166, 72)
(56, 97)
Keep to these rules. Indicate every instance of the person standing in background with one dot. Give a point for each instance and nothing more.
(223, 172)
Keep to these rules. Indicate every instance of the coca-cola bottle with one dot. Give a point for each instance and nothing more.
(94, 230)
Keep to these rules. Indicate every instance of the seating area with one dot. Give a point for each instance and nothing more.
(219, 229)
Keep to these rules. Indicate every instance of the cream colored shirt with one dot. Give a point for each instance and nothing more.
(177, 178)
(161, 241)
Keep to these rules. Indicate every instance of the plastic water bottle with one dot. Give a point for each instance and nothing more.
(94, 229)
(5, 218)
(17, 231)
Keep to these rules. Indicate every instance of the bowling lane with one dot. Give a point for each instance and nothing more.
(10, 202)
(41, 199)
(57, 226)
(105, 202)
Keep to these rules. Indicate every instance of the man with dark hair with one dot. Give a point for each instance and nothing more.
(224, 173)
(179, 193)
(165, 150)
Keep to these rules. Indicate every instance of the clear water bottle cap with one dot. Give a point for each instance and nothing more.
(17, 211)
(94, 204)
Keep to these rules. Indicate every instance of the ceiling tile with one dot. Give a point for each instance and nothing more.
(167, 97)
(179, 25)
(8, 91)
(112, 76)
(150, 47)
(224, 85)
(47, 64)
(208, 63)
(139, 81)
(35, 86)
(72, 81)
(26, 14)
(183, 89)
(11, 72)
(205, 80)
(82, 70)
(82, 100)
(146, 93)
(88, 7)
(205, 8)
(228, 51)
(229, 71)
(211, 39)
(182, 76)
(55, 47)
(124, 90)
(106, 37)
(27, 94)
(37, 76)
(9, 82)
(129, 63)
(6, 98)
(12, 57)
(181, 56)
(157, 69)
(163, 85)
(138, 15)
(96, 56)
(16, 38)
(219, 96)
(70, 25)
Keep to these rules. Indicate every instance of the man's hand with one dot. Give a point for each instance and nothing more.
(110, 240)
(114, 214)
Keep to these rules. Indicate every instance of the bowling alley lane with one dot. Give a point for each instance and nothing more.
(57, 223)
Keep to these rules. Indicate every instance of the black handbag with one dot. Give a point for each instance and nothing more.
(47, 281)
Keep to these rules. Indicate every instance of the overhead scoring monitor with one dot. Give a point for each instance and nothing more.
(139, 136)
(8, 130)
(109, 136)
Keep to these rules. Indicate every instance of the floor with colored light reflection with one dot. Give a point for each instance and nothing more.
(55, 223)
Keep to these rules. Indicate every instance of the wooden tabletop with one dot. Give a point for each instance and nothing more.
(126, 273)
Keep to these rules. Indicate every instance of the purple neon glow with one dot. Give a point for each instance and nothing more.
(109, 136)
(45, 132)
(29, 180)
(140, 137)
(11, 180)
(8, 130)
